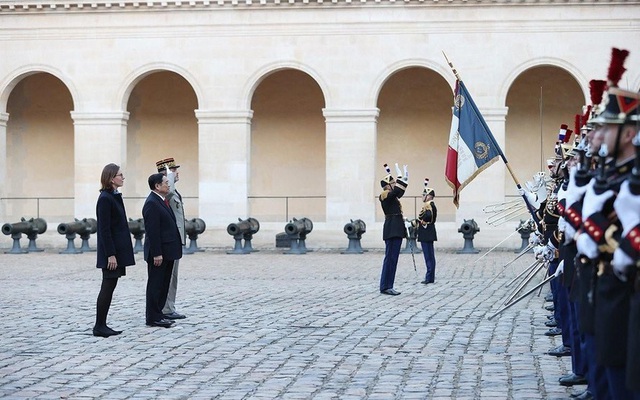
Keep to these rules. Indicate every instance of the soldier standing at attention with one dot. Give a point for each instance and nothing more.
(427, 231)
(394, 230)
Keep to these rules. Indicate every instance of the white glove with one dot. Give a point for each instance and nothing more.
(575, 192)
(167, 170)
(621, 263)
(531, 198)
(549, 252)
(627, 206)
(593, 202)
(398, 172)
(407, 223)
(560, 269)
(569, 233)
(587, 246)
(535, 239)
(406, 173)
(562, 225)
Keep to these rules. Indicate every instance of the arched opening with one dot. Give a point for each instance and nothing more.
(413, 129)
(40, 150)
(539, 101)
(288, 148)
(162, 124)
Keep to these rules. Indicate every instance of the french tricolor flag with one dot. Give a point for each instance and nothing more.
(472, 147)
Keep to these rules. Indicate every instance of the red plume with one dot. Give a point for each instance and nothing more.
(596, 88)
(567, 135)
(585, 116)
(616, 67)
(578, 122)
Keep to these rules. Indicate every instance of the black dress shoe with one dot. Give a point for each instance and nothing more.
(102, 331)
(560, 351)
(163, 323)
(391, 292)
(175, 315)
(553, 332)
(572, 379)
(551, 323)
(426, 282)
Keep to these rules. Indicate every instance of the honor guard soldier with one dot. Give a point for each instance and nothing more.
(427, 231)
(602, 228)
(394, 229)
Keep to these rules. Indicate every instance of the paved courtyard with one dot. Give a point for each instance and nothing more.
(268, 325)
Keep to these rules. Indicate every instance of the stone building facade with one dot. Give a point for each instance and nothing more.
(278, 109)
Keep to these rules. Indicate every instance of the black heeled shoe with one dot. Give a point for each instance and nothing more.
(103, 331)
(113, 331)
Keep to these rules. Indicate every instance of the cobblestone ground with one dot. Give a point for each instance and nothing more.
(268, 325)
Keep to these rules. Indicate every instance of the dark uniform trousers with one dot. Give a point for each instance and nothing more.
(158, 282)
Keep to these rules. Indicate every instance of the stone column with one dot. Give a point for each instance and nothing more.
(224, 143)
(351, 156)
(489, 186)
(100, 138)
(4, 118)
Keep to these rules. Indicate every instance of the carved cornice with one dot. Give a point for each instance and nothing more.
(175, 5)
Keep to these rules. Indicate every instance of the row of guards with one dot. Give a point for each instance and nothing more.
(294, 235)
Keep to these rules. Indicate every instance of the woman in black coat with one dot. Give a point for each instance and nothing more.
(115, 251)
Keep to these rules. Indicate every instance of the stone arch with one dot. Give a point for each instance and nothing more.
(16, 76)
(143, 71)
(391, 69)
(259, 75)
(540, 62)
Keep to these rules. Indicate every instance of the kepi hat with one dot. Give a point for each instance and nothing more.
(166, 163)
(620, 106)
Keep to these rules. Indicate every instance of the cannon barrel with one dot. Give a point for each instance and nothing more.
(194, 226)
(242, 227)
(34, 225)
(136, 227)
(355, 227)
(73, 227)
(469, 227)
(91, 225)
(300, 226)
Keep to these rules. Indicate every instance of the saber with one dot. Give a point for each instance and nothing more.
(532, 265)
(539, 285)
(494, 247)
(523, 252)
(525, 282)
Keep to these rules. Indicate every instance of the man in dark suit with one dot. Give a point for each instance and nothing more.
(162, 246)
(394, 230)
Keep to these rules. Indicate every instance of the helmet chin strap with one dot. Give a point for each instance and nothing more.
(616, 147)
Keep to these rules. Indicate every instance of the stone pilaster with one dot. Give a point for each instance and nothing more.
(100, 138)
(224, 143)
(351, 155)
(4, 118)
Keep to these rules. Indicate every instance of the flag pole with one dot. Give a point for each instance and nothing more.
(530, 207)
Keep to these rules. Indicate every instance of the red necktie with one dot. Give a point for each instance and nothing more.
(166, 201)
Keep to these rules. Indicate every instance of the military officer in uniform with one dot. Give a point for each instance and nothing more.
(394, 229)
(169, 168)
(427, 231)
